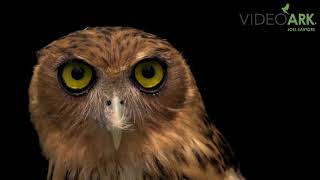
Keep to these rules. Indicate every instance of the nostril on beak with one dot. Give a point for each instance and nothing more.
(108, 103)
(121, 102)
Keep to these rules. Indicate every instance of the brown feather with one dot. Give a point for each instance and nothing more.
(169, 136)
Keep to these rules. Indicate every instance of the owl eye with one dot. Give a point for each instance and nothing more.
(76, 77)
(149, 75)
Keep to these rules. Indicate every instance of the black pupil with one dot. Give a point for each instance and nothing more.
(77, 73)
(148, 71)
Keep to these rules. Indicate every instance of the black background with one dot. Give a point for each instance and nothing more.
(258, 88)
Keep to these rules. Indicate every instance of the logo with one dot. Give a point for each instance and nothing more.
(297, 22)
(286, 8)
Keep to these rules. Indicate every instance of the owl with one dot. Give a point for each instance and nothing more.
(121, 104)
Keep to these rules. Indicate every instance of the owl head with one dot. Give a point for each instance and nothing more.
(110, 90)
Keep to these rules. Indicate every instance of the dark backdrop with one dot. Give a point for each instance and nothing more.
(255, 86)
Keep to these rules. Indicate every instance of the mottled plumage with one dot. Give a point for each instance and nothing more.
(164, 134)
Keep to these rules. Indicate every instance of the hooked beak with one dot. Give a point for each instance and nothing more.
(117, 122)
(116, 137)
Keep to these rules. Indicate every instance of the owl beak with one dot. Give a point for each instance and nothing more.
(117, 121)
(116, 137)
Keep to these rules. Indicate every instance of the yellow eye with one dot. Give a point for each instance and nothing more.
(149, 74)
(76, 76)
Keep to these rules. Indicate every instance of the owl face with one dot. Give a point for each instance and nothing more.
(106, 81)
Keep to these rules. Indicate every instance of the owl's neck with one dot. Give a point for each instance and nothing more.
(186, 145)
